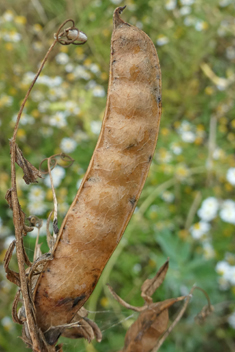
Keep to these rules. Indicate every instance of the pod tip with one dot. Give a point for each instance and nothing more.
(116, 16)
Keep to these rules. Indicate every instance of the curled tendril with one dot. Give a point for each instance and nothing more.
(53, 162)
(64, 37)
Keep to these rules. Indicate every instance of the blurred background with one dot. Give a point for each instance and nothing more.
(187, 208)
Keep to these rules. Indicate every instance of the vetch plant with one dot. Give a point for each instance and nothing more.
(55, 286)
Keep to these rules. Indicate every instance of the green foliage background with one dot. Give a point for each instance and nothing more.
(197, 56)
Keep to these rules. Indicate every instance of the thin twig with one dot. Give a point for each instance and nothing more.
(55, 210)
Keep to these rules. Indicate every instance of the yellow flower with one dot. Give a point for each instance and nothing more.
(231, 137)
(182, 171)
(104, 76)
(70, 77)
(9, 46)
(233, 123)
(222, 128)
(49, 195)
(87, 62)
(37, 27)
(79, 51)
(21, 133)
(12, 91)
(200, 127)
(164, 131)
(104, 302)
(183, 234)
(106, 33)
(35, 113)
(198, 141)
(209, 90)
(64, 49)
(152, 263)
(20, 20)
(223, 120)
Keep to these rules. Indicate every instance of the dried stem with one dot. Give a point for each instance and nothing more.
(55, 210)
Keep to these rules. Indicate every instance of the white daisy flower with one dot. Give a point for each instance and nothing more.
(162, 40)
(199, 229)
(62, 58)
(79, 183)
(208, 250)
(227, 212)
(98, 91)
(170, 4)
(58, 119)
(81, 72)
(209, 208)
(58, 174)
(188, 136)
(223, 268)
(231, 320)
(95, 126)
(185, 10)
(36, 194)
(68, 145)
(36, 207)
(230, 176)
(168, 197)
(187, 2)
(176, 148)
(224, 3)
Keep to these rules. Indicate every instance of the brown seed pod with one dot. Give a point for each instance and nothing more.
(113, 182)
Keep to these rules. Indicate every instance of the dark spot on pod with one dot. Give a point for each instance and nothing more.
(132, 200)
(150, 158)
(159, 98)
(52, 335)
(78, 299)
(95, 277)
(63, 301)
(48, 270)
(130, 146)
(114, 61)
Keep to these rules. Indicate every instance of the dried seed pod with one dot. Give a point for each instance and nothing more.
(113, 182)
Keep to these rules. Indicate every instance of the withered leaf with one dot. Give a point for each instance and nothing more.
(8, 198)
(151, 285)
(11, 275)
(149, 326)
(31, 173)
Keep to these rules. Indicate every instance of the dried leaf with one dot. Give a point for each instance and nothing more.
(149, 326)
(11, 275)
(31, 173)
(8, 198)
(15, 316)
(151, 285)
